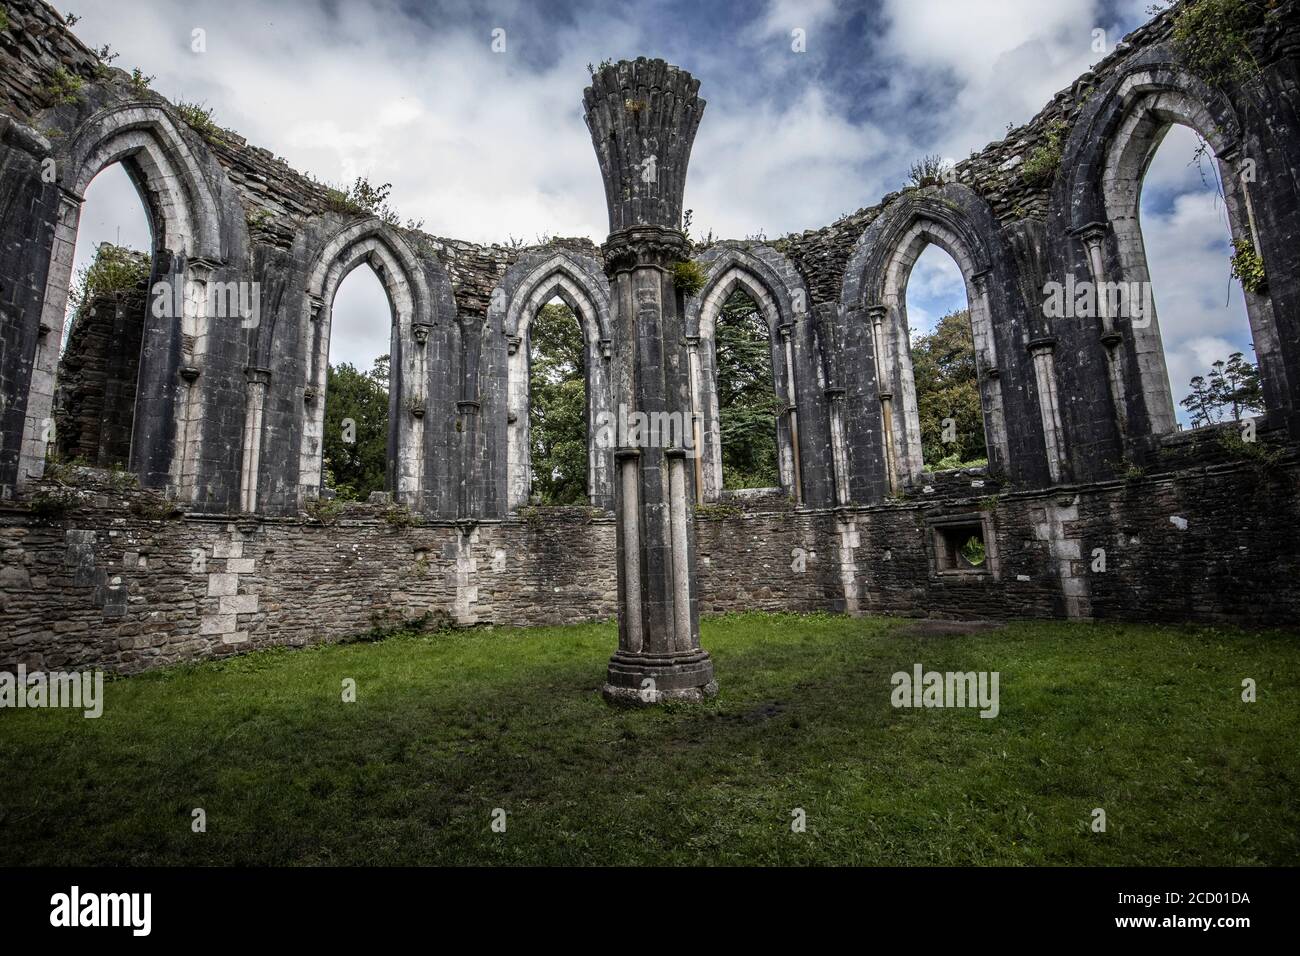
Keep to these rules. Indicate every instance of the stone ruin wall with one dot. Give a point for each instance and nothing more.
(119, 587)
(97, 376)
(216, 554)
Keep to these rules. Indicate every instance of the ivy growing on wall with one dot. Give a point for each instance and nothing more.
(1248, 267)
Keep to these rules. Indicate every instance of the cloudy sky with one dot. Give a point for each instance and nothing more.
(487, 145)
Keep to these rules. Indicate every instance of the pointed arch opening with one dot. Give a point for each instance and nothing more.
(744, 388)
(185, 247)
(558, 400)
(367, 244)
(357, 445)
(891, 335)
(749, 399)
(945, 368)
(97, 376)
(1139, 314)
(559, 414)
(1182, 220)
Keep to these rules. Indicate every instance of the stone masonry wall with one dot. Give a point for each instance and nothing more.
(119, 582)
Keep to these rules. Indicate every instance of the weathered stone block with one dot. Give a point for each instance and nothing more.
(222, 584)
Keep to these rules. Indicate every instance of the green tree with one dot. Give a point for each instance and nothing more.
(557, 410)
(747, 403)
(1230, 392)
(115, 269)
(356, 454)
(947, 388)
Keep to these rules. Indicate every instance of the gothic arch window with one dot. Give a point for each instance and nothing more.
(369, 244)
(357, 442)
(893, 358)
(1152, 109)
(729, 282)
(557, 281)
(944, 364)
(186, 248)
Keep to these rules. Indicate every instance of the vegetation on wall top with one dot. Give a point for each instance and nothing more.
(1041, 166)
(199, 118)
(930, 171)
(364, 199)
(1213, 37)
(62, 87)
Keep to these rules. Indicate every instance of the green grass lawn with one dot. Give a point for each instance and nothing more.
(1144, 722)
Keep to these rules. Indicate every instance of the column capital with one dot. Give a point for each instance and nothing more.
(202, 267)
(257, 375)
(1091, 233)
(69, 198)
(654, 246)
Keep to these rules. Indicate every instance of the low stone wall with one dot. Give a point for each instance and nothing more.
(107, 577)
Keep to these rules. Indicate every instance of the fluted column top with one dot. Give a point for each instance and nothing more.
(643, 115)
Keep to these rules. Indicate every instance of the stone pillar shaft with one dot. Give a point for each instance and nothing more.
(643, 116)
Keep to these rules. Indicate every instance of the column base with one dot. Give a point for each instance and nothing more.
(640, 679)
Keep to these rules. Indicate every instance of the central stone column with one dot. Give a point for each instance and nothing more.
(643, 116)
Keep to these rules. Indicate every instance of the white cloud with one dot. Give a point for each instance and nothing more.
(778, 169)
(990, 62)
(483, 146)
(783, 16)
